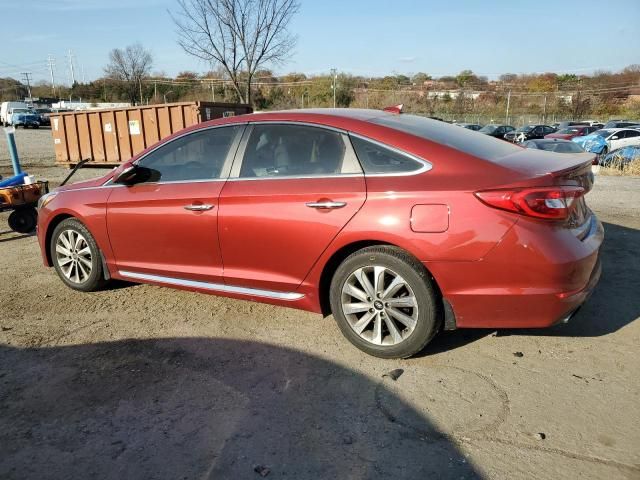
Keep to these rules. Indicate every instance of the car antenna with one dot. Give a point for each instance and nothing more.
(78, 166)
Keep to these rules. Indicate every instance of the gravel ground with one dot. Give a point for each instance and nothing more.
(148, 382)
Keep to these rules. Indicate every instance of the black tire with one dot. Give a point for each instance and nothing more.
(95, 279)
(23, 220)
(429, 315)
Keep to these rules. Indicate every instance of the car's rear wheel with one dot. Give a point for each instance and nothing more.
(384, 302)
(76, 256)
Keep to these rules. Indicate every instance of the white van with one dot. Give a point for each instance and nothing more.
(6, 111)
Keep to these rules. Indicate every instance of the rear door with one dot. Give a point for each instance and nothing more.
(632, 137)
(292, 188)
(165, 229)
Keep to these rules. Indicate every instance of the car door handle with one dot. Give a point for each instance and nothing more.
(198, 207)
(326, 205)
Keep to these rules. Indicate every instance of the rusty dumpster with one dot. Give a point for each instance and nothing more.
(112, 136)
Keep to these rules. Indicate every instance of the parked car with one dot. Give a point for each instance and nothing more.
(571, 132)
(566, 124)
(397, 224)
(7, 109)
(528, 132)
(621, 124)
(44, 113)
(621, 157)
(470, 126)
(554, 145)
(497, 131)
(593, 123)
(25, 119)
(608, 139)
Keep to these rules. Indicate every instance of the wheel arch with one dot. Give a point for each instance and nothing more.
(53, 223)
(343, 252)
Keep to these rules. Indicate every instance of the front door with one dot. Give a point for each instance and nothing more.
(296, 188)
(166, 226)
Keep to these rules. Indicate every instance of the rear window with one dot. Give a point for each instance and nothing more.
(462, 139)
(561, 147)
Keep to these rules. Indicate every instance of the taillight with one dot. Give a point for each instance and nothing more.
(552, 203)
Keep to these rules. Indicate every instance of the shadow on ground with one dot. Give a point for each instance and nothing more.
(206, 408)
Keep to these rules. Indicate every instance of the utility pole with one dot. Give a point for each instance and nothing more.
(25, 77)
(506, 117)
(334, 76)
(544, 110)
(51, 63)
(70, 57)
(213, 92)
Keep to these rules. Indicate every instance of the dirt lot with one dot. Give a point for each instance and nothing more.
(148, 382)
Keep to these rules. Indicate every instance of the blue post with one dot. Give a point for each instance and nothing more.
(13, 151)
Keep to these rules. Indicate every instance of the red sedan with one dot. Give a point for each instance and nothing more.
(572, 132)
(396, 224)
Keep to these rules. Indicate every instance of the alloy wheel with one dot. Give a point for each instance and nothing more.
(379, 305)
(73, 256)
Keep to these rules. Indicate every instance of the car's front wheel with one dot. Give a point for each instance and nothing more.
(384, 302)
(76, 256)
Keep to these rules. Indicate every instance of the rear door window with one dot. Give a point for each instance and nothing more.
(378, 159)
(284, 150)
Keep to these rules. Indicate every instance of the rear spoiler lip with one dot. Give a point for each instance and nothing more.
(583, 165)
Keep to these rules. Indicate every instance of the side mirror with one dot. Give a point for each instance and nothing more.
(126, 176)
(136, 174)
(615, 137)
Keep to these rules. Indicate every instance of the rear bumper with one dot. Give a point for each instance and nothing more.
(531, 279)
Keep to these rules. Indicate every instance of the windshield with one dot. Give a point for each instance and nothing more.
(489, 128)
(602, 133)
(20, 110)
(568, 131)
(525, 129)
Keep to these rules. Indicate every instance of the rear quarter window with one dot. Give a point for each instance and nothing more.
(462, 139)
(378, 159)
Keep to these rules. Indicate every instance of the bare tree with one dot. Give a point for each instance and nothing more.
(239, 35)
(130, 65)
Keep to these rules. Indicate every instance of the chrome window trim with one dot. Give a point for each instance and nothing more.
(426, 165)
(216, 287)
(295, 177)
(350, 158)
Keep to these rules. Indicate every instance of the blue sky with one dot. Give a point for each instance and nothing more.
(373, 37)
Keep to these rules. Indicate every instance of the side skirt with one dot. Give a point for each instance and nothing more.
(216, 287)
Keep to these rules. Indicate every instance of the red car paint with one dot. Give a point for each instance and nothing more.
(580, 131)
(493, 267)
